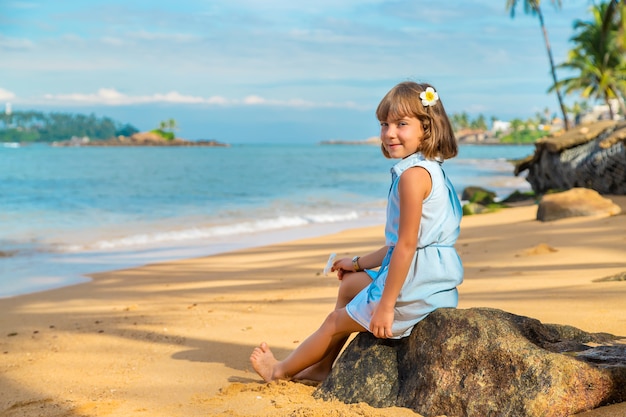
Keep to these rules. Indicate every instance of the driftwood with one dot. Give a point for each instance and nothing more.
(590, 156)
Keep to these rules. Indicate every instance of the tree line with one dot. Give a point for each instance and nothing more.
(35, 126)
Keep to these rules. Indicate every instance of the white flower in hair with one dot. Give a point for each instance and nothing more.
(429, 97)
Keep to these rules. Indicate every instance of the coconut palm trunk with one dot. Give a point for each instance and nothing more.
(533, 6)
(552, 67)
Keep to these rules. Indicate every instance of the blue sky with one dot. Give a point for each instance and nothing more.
(275, 70)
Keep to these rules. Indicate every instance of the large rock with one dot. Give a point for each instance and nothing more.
(591, 156)
(482, 362)
(575, 202)
(479, 195)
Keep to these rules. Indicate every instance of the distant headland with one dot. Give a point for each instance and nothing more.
(138, 139)
(374, 140)
(67, 129)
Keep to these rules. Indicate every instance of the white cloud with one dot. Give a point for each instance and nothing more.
(15, 43)
(72, 38)
(254, 100)
(155, 36)
(112, 97)
(110, 40)
(6, 95)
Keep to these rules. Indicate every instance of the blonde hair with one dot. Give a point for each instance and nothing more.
(403, 100)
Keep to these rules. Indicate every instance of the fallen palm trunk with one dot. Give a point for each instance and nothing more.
(591, 156)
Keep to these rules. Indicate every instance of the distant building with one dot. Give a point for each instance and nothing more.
(7, 109)
(500, 126)
(474, 136)
(601, 112)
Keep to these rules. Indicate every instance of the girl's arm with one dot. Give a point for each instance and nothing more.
(415, 185)
(369, 261)
(373, 259)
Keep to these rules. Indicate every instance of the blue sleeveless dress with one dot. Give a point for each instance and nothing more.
(436, 269)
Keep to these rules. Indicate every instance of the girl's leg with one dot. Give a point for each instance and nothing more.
(350, 286)
(335, 329)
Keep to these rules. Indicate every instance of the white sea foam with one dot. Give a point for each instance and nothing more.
(203, 233)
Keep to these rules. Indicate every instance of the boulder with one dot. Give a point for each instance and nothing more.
(482, 362)
(478, 195)
(146, 137)
(475, 208)
(575, 202)
(519, 197)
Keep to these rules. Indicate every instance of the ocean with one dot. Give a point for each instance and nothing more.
(69, 211)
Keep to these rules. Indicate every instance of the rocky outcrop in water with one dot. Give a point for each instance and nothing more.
(138, 139)
(590, 156)
(482, 362)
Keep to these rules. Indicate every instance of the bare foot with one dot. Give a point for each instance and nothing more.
(314, 373)
(263, 362)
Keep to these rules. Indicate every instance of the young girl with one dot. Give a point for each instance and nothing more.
(418, 268)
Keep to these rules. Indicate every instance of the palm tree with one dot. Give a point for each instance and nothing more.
(479, 123)
(460, 121)
(172, 125)
(615, 13)
(533, 7)
(599, 61)
(517, 124)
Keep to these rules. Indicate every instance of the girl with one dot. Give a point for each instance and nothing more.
(418, 268)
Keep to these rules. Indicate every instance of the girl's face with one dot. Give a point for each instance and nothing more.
(401, 137)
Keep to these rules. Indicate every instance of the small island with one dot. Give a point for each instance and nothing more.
(138, 139)
(374, 140)
(67, 129)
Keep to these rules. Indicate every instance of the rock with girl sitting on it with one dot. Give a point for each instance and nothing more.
(482, 362)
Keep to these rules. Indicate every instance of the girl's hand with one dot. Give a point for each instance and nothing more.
(381, 322)
(342, 266)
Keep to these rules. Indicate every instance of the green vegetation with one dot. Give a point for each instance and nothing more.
(463, 121)
(524, 135)
(165, 135)
(525, 132)
(33, 126)
(166, 129)
(480, 200)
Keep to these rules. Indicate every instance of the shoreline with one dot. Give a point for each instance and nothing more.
(173, 338)
(79, 267)
(129, 218)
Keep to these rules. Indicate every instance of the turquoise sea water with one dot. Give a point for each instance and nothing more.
(66, 212)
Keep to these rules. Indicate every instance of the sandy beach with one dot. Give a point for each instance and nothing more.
(173, 339)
